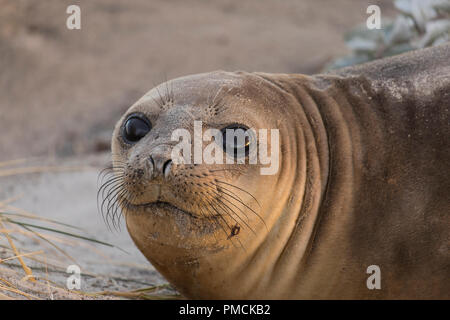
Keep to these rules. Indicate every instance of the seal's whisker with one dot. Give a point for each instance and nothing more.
(119, 205)
(107, 187)
(111, 172)
(229, 227)
(104, 173)
(113, 205)
(227, 212)
(169, 92)
(213, 219)
(216, 192)
(232, 185)
(239, 200)
(107, 172)
(229, 236)
(115, 211)
(221, 203)
(218, 105)
(234, 212)
(107, 176)
(161, 98)
(234, 196)
(110, 196)
(111, 180)
(112, 176)
(157, 103)
(124, 199)
(104, 206)
(219, 215)
(223, 188)
(106, 212)
(222, 198)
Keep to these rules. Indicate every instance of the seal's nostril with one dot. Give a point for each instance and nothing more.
(166, 168)
(152, 166)
(151, 161)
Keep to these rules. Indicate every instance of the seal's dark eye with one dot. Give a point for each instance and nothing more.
(136, 128)
(236, 140)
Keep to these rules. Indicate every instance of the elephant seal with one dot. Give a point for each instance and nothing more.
(362, 183)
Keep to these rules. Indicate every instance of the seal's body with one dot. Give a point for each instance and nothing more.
(363, 180)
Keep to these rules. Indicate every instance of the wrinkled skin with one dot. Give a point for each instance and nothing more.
(364, 179)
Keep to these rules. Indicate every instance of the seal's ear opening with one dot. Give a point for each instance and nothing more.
(135, 128)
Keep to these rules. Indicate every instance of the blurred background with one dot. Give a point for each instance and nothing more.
(61, 90)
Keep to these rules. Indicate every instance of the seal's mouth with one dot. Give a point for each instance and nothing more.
(157, 206)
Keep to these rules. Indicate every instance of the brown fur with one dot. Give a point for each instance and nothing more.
(364, 180)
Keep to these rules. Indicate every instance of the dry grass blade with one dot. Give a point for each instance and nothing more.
(17, 253)
(34, 217)
(22, 255)
(153, 288)
(61, 232)
(51, 243)
(57, 265)
(9, 284)
(19, 292)
(143, 293)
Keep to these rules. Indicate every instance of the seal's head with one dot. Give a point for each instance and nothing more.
(200, 223)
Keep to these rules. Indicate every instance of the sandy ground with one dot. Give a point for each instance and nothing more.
(62, 90)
